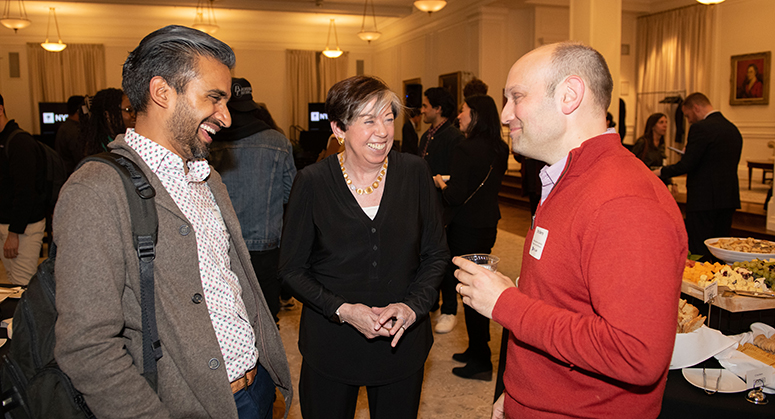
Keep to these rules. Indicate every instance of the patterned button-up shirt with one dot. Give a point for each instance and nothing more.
(222, 289)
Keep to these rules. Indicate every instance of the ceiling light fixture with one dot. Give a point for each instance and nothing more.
(17, 22)
(365, 35)
(205, 7)
(710, 1)
(328, 52)
(53, 46)
(430, 6)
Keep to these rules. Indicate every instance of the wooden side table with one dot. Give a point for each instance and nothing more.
(765, 165)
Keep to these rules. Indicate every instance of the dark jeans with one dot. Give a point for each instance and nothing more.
(255, 402)
(703, 225)
(323, 398)
(265, 265)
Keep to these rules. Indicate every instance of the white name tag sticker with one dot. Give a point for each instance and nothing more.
(539, 241)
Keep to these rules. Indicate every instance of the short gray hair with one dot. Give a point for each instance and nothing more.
(573, 58)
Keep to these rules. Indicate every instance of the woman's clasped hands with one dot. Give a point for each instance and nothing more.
(392, 320)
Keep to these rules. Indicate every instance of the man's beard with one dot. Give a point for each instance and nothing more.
(188, 141)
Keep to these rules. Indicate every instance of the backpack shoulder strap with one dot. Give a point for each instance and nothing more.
(8, 140)
(145, 225)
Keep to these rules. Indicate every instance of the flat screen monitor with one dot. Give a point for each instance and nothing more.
(52, 115)
(318, 118)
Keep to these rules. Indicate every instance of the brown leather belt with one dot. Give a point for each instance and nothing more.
(244, 382)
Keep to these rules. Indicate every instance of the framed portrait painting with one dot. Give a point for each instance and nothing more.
(750, 79)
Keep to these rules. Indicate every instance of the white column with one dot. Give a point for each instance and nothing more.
(598, 23)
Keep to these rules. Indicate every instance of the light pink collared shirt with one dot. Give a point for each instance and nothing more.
(550, 175)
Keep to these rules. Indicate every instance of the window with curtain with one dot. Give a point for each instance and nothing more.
(673, 55)
(310, 75)
(55, 76)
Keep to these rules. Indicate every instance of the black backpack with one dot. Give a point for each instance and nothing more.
(31, 382)
(56, 173)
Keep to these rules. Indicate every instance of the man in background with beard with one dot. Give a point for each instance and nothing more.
(221, 352)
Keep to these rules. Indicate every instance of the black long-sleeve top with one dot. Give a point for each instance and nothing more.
(21, 169)
(471, 160)
(333, 253)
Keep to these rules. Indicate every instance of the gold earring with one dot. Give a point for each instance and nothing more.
(340, 140)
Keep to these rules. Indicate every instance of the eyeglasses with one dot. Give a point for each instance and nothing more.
(128, 109)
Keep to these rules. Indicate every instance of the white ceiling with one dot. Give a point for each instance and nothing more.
(276, 24)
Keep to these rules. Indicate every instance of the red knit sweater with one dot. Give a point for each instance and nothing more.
(593, 321)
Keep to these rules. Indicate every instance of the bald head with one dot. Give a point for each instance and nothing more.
(557, 97)
(572, 58)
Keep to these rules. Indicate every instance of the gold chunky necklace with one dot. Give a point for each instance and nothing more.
(368, 189)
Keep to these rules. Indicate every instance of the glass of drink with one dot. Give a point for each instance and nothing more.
(484, 260)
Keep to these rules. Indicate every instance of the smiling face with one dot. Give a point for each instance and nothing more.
(369, 137)
(201, 110)
(533, 117)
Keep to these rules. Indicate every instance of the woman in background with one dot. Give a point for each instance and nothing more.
(363, 249)
(472, 212)
(650, 148)
(110, 114)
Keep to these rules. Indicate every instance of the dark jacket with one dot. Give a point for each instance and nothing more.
(333, 253)
(439, 151)
(710, 163)
(99, 332)
(258, 170)
(22, 175)
(69, 144)
(409, 138)
(471, 161)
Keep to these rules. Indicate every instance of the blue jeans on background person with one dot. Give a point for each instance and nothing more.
(256, 401)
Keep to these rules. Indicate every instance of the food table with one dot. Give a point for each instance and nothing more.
(682, 400)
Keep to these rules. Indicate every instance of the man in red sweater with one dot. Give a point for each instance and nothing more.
(592, 321)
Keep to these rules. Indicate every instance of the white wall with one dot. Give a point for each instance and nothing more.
(744, 27)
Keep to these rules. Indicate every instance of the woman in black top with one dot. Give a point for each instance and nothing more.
(472, 213)
(650, 148)
(363, 248)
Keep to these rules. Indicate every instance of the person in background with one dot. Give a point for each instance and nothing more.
(364, 251)
(222, 356)
(710, 160)
(409, 138)
(650, 148)
(68, 141)
(109, 114)
(475, 87)
(256, 164)
(436, 146)
(22, 210)
(581, 325)
(472, 213)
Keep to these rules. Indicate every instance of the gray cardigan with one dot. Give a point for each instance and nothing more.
(99, 332)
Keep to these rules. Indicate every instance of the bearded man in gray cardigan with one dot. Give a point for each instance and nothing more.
(222, 353)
